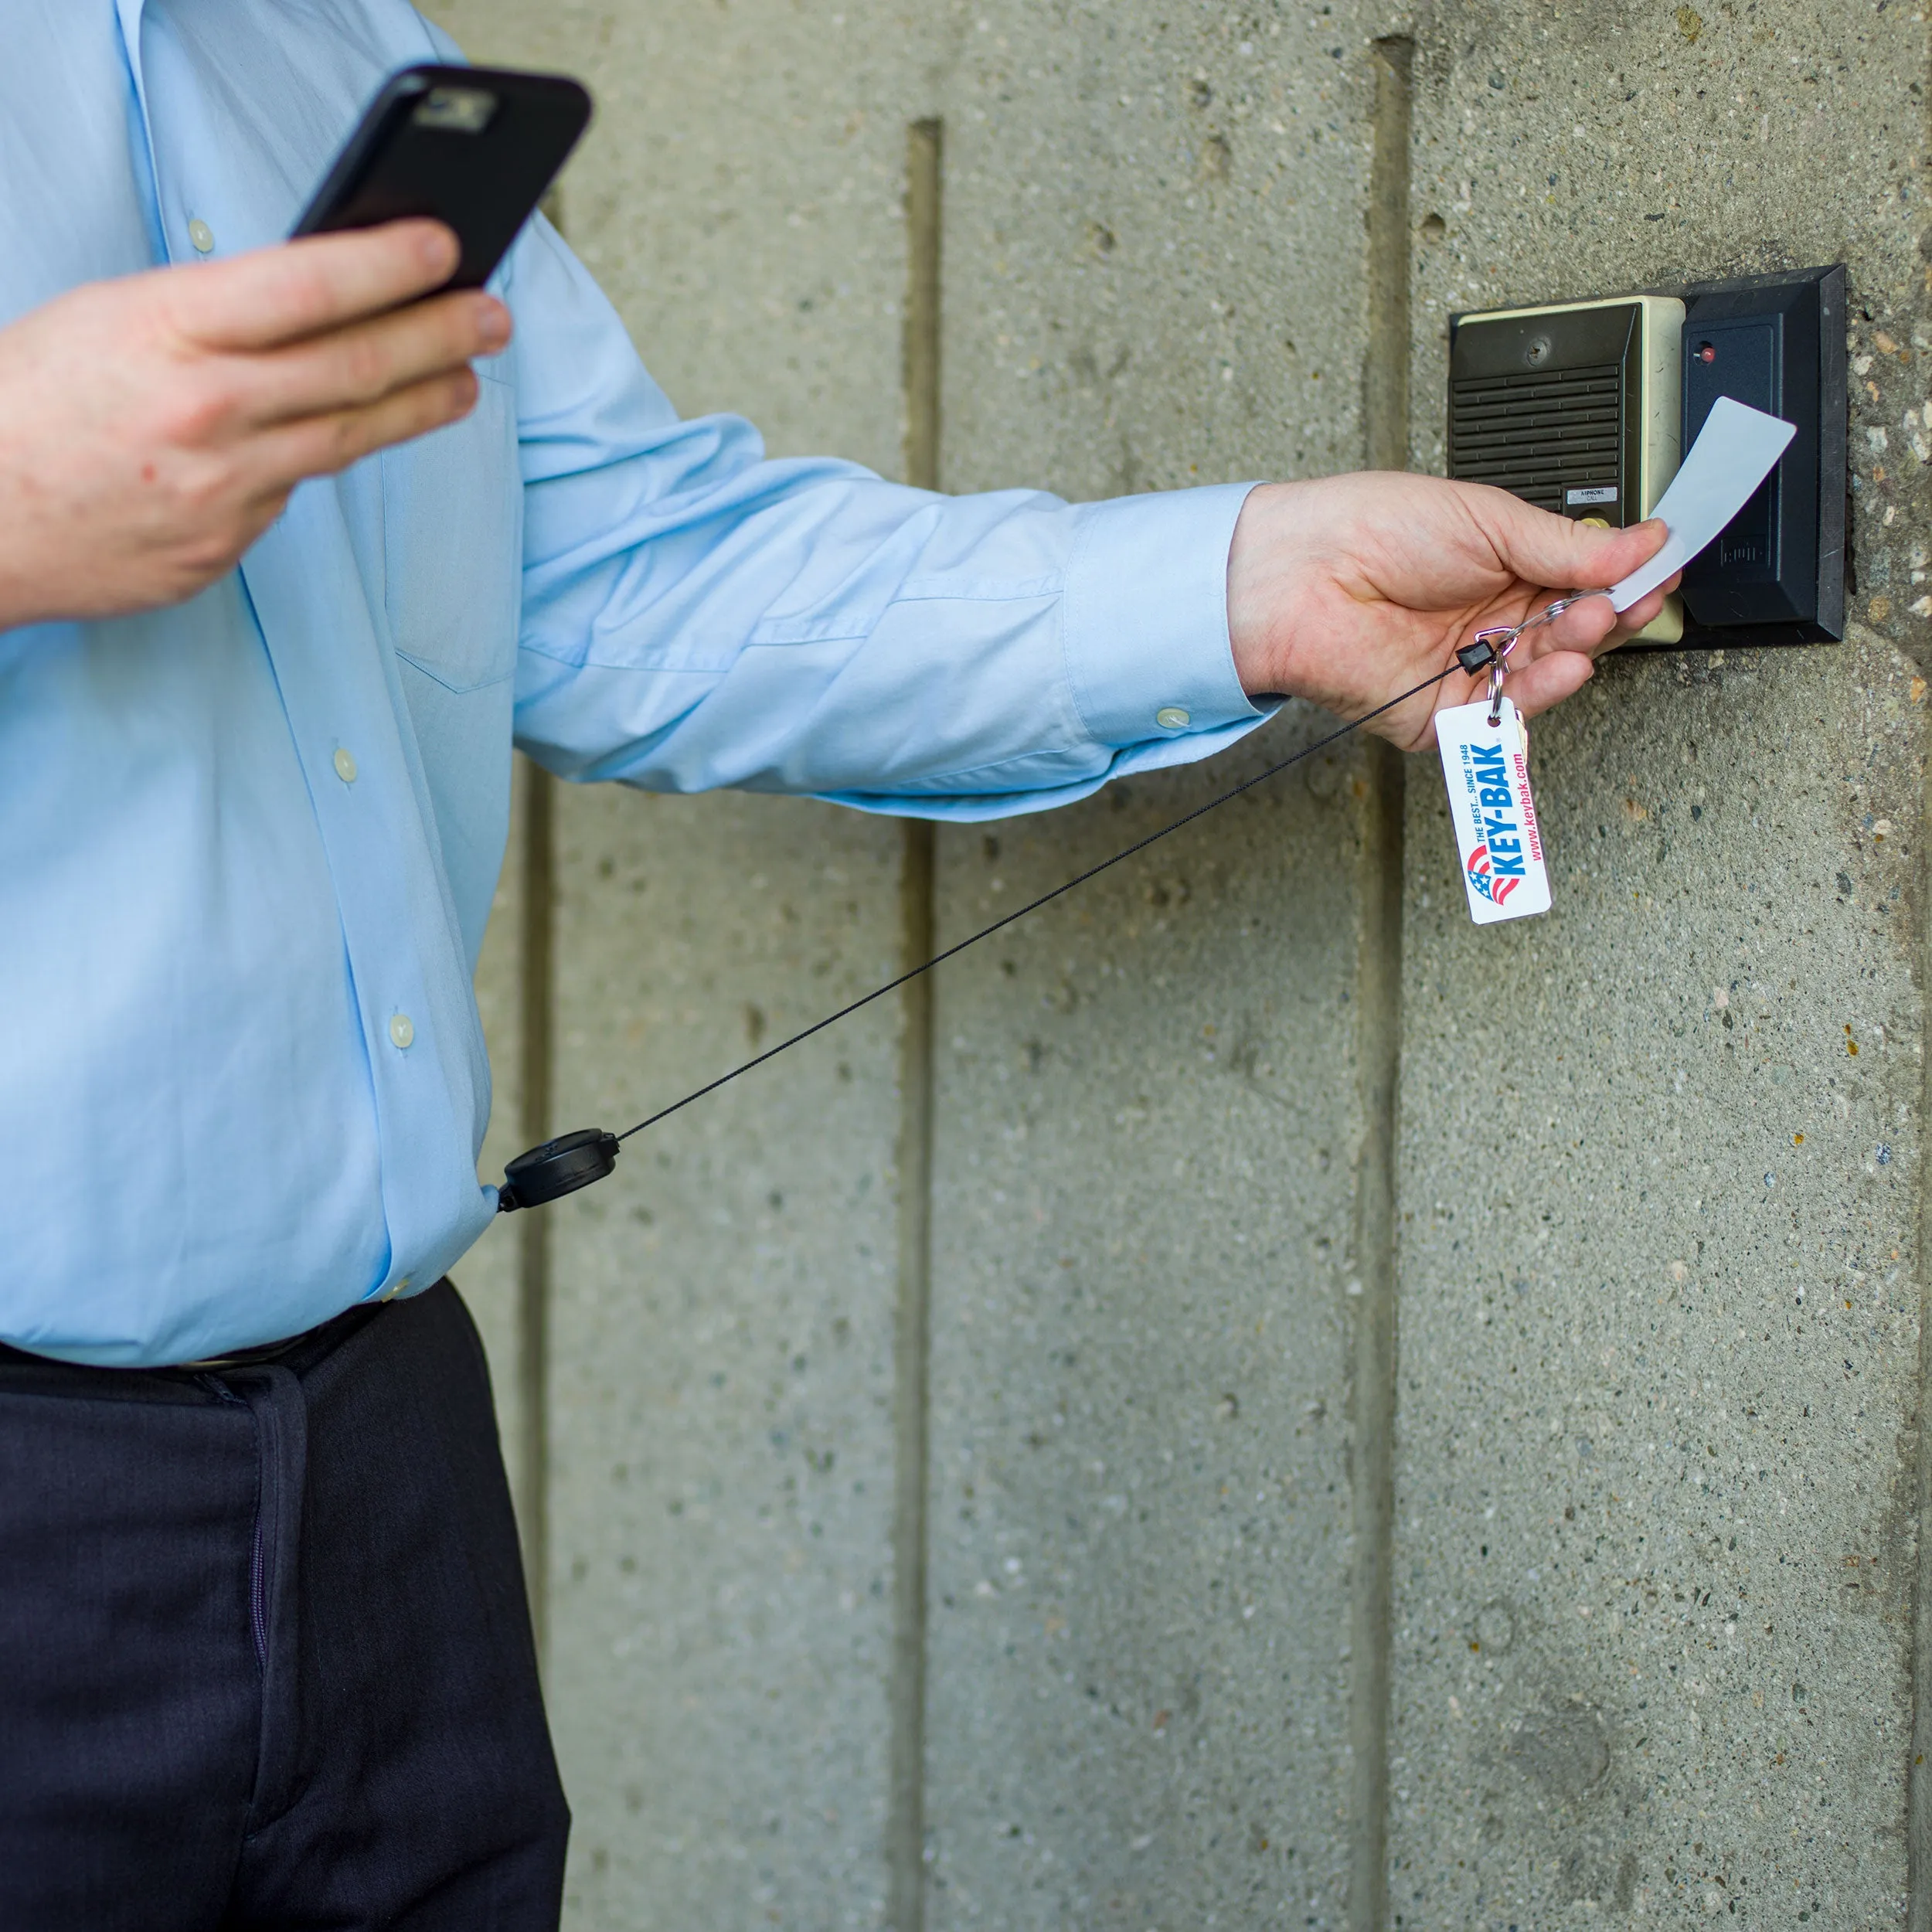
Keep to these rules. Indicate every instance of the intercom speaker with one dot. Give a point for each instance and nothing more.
(1573, 407)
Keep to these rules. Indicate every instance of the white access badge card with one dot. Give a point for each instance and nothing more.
(1497, 838)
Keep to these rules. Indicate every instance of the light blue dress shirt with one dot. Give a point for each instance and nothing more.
(250, 843)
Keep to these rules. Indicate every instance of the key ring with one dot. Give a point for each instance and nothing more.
(1498, 663)
(1508, 634)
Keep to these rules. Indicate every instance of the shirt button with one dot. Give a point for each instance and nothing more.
(1170, 717)
(345, 765)
(201, 235)
(402, 1030)
(390, 1293)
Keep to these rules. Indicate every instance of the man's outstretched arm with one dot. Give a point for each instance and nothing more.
(695, 615)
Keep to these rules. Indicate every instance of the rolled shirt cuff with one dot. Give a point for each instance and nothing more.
(1144, 617)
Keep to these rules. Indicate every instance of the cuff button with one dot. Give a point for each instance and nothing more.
(1170, 717)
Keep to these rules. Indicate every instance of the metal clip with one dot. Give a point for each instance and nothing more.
(1499, 640)
(1551, 612)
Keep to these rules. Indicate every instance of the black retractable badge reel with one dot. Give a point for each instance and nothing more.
(557, 1168)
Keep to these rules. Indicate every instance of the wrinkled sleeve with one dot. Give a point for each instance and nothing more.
(696, 616)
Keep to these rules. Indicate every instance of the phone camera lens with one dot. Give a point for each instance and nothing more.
(456, 110)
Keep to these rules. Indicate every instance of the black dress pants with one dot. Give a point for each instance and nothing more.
(265, 1657)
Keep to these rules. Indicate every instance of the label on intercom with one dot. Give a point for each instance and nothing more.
(1488, 770)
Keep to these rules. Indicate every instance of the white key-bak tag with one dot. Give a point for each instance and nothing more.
(1488, 770)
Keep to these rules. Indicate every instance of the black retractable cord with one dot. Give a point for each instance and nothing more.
(574, 1160)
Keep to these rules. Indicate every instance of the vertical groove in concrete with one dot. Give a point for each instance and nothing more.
(905, 1847)
(530, 1480)
(919, 372)
(1378, 980)
(906, 1828)
(1919, 1774)
(533, 1253)
(1373, 1353)
(1386, 374)
(1919, 1804)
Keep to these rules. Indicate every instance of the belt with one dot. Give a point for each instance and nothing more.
(251, 1358)
(324, 1336)
(320, 1338)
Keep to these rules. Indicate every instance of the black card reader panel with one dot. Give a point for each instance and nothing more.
(1777, 573)
(1778, 570)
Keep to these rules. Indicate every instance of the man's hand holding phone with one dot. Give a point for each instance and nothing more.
(155, 425)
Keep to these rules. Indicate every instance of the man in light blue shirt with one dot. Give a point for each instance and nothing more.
(289, 560)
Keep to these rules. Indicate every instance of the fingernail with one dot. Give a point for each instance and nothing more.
(493, 325)
(437, 247)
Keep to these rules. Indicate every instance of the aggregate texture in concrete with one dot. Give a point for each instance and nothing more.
(1654, 1542)
(1657, 1498)
(718, 1508)
(1147, 1115)
(721, 1430)
(1155, 258)
(1145, 1137)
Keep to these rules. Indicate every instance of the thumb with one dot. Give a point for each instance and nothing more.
(1542, 548)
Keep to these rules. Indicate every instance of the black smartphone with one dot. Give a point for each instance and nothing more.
(474, 146)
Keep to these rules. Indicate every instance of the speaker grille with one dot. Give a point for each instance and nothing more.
(1539, 436)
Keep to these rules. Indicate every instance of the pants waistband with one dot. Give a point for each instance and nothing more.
(310, 1345)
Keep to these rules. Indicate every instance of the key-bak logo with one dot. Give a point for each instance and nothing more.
(1496, 867)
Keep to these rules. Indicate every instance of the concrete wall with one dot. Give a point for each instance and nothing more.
(1148, 1109)
(1540, 1551)
(1657, 1495)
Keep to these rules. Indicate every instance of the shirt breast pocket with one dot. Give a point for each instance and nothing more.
(453, 542)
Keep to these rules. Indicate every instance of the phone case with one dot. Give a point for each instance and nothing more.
(472, 146)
